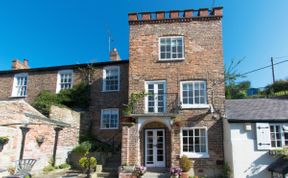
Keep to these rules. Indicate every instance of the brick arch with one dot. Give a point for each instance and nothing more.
(168, 137)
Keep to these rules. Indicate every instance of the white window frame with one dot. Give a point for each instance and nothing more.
(110, 110)
(194, 154)
(58, 87)
(171, 59)
(104, 78)
(164, 95)
(281, 134)
(185, 106)
(15, 88)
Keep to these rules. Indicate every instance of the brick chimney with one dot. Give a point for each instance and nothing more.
(17, 64)
(114, 56)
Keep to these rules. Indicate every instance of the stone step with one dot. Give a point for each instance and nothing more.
(107, 175)
(110, 169)
(156, 175)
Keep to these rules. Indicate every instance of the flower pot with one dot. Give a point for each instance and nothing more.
(185, 175)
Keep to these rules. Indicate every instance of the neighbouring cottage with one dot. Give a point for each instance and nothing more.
(32, 135)
(253, 130)
(176, 60)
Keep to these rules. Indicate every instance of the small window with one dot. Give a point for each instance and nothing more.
(111, 78)
(278, 136)
(20, 85)
(193, 94)
(194, 142)
(64, 80)
(109, 118)
(171, 48)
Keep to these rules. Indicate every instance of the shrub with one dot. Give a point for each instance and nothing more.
(4, 140)
(44, 101)
(48, 168)
(86, 161)
(63, 166)
(82, 148)
(76, 97)
(185, 163)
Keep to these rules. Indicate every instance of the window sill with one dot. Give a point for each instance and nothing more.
(108, 91)
(171, 60)
(195, 155)
(116, 128)
(18, 96)
(198, 106)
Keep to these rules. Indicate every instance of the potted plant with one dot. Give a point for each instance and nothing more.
(40, 139)
(128, 168)
(175, 172)
(139, 171)
(185, 165)
(3, 141)
(88, 164)
(177, 121)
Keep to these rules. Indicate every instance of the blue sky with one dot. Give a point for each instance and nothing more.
(58, 32)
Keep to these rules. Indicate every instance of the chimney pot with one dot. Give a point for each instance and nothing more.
(146, 16)
(217, 11)
(203, 12)
(132, 16)
(114, 56)
(25, 62)
(174, 14)
(16, 64)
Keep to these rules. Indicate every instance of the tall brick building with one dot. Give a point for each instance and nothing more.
(176, 59)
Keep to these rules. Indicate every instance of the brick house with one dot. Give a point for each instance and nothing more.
(176, 59)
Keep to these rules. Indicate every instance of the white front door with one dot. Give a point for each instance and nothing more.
(154, 148)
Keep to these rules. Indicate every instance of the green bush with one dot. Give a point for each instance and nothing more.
(185, 163)
(48, 168)
(84, 162)
(83, 148)
(76, 97)
(63, 166)
(44, 101)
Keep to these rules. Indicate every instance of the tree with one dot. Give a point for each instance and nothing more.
(235, 90)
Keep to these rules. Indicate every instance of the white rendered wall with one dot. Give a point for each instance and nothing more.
(241, 152)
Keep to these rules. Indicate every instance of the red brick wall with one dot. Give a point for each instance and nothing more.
(102, 100)
(203, 61)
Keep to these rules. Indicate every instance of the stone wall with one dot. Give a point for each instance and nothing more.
(68, 138)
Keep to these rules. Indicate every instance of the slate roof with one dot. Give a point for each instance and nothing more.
(19, 112)
(241, 110)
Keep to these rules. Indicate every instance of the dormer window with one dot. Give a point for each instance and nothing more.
(64, 80)
(20, 85)
(171, 48)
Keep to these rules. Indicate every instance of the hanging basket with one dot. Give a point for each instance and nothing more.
(3, 141)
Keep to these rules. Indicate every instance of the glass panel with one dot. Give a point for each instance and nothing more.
(160, 158)
(185, 133)
(160, 145)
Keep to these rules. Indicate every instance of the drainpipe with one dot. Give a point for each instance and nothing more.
(57, 130)
(24, 131)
